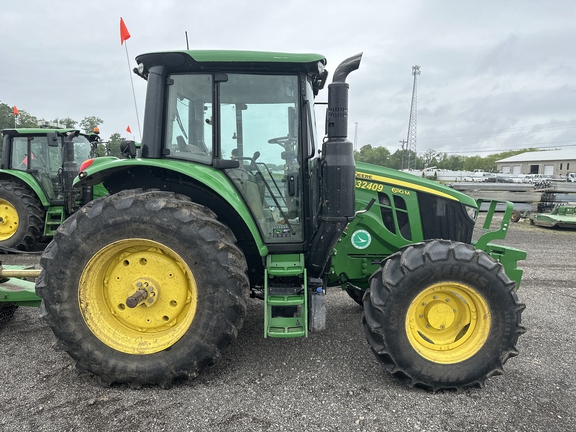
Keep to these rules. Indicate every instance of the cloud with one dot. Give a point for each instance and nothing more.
(486, 66)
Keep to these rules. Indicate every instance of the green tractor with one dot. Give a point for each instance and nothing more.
(234, 195)
(36, 192)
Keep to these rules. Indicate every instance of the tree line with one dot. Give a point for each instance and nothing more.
(400, 159)
(431, 158)
(26, 120)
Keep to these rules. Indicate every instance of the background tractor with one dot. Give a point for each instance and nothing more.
(233, 195)
(36, 192)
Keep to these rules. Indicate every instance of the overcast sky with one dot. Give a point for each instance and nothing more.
(495, 75)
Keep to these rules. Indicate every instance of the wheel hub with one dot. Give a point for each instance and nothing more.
(440, 316)
(145, 292)
(448, 322)
(137, 296)
(8, 220)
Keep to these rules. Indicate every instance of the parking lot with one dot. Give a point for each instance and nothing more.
(328, 381)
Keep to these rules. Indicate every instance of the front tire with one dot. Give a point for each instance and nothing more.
(21, 217)
(356, 294)
(442, 315)
(7, 312)
(143, 287)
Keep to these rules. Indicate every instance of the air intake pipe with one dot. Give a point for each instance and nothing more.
(337, 172)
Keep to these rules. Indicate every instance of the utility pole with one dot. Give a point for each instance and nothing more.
(356, 136)
(413, 118)
(403, 143)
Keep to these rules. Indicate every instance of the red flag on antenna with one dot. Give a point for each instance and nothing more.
(128, 129)
(124, 33)
(15, 110)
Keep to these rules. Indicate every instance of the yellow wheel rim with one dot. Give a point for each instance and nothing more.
(151, 275)
(448, 322)
(8, 220)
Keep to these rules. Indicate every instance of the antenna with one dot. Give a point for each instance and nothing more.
(413, 122)
(187, 46)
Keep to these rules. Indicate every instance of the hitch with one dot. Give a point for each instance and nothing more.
(17, 291)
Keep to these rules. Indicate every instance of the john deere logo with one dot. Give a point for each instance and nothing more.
(361, 239)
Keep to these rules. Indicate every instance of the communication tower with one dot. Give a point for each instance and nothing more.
(411, 145)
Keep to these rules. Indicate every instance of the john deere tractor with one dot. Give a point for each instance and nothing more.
(36, 193)
(235, 195)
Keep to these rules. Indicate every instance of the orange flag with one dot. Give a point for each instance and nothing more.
(15, 110)
(124, 33)
(128, 129)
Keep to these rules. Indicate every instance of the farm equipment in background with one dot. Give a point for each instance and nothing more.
(234, 195)
(563, 216)
(36, 192)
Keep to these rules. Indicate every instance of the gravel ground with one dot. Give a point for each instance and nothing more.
(328, 381)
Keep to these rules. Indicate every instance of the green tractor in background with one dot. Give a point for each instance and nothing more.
(233, 195)
(36, 192)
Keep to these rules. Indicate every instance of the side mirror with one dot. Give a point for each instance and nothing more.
(128, 149)
(53, 139)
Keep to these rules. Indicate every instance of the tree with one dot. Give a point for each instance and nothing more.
(475, 162)
(6, 116)
(452, 162)
(67, 122)
(377, 156)
(396, 159)
(428, 157)
(114, 144)
(25, 120)
(89, 123)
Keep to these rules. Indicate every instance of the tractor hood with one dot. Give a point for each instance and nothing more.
(369, 172)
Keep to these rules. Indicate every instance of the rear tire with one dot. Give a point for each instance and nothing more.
(193, 274)
(442, 315)
(21, 217)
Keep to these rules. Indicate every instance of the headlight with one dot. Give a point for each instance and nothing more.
(471, 212)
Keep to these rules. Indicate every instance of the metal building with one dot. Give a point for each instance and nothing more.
(552, 162)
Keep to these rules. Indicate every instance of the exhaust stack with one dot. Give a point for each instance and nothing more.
(337, 172)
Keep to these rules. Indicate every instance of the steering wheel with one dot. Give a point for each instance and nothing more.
(283, 141)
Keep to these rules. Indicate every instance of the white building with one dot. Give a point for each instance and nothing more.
(552, 162)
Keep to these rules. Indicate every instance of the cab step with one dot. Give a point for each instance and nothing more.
(285, 296)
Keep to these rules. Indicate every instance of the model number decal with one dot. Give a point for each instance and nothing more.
(363, 184)
(400, 191)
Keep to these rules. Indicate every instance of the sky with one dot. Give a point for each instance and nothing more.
(496, 75)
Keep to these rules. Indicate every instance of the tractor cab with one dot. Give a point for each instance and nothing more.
(36, 191)
(252, 132)
(39, 153)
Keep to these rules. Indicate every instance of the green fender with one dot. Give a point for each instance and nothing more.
(29, 180)
(214, 179)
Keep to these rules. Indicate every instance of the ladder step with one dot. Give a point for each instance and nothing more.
(283, 332)
(54, 218)
(286, 300)
(285, 296)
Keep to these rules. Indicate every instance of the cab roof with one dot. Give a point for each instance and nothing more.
(35, 131)
(210, 60)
